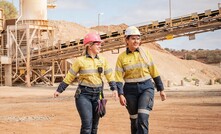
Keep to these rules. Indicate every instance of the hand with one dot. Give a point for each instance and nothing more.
(163, 95)
(123, 101)
(115, 95)
(56, 94)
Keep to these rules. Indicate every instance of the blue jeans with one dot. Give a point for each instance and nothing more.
(86, 103)
(140, 100)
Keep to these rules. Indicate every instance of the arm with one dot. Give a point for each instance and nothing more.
(108, 72)
(119, 81)
(159, 85)
(62, 86)
(156, 77)
(71, 75)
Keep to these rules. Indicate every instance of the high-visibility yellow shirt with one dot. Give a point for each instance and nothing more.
(131, 67)
(87, 68)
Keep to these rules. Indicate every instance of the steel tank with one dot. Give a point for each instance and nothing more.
(33, 9)
(1, 20)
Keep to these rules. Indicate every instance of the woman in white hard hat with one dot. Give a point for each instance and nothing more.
(135, 68)
(91, 68)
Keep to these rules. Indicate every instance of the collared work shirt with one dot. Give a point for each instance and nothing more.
(131, 67)
(87, 68)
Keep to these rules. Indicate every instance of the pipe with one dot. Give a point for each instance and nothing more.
(16, 37)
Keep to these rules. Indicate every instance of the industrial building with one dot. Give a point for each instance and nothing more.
(29, 53)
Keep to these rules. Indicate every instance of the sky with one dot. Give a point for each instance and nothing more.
(137, 12)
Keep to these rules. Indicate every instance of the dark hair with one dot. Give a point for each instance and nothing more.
(127, 36)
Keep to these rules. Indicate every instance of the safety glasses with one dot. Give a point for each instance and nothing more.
(96, 43)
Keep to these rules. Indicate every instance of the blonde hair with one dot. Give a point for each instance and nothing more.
(86, 48)
(85, 51)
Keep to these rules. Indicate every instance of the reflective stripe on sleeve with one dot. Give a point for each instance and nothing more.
(151, 64)
(119, 69)
(143, 111)
(72, 72)
(107, 71)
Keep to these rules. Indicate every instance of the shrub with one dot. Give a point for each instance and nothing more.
(186, 79)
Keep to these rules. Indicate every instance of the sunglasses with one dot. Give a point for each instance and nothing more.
(95, 43)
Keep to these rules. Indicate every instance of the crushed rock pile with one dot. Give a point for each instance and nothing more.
(170, 67)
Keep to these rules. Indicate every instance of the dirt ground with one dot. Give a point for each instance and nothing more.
(187, 110)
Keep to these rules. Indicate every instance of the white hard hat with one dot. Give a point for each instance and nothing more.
(132, 30)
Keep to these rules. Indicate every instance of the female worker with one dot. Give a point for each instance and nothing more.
(90, 68)
(136, 68)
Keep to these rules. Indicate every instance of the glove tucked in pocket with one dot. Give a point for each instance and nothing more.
(101, 106)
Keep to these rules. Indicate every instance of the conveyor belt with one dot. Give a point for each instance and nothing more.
(182, 26)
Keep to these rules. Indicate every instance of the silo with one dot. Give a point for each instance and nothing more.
(33, 9)
(1, 20)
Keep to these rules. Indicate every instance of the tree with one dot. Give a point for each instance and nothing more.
(189, 57)
(167, 49)
(10, 12)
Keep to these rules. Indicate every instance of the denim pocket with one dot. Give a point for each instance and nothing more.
(77, 93)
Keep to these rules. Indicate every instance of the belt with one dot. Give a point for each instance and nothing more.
(90, 89)
(135, 83)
